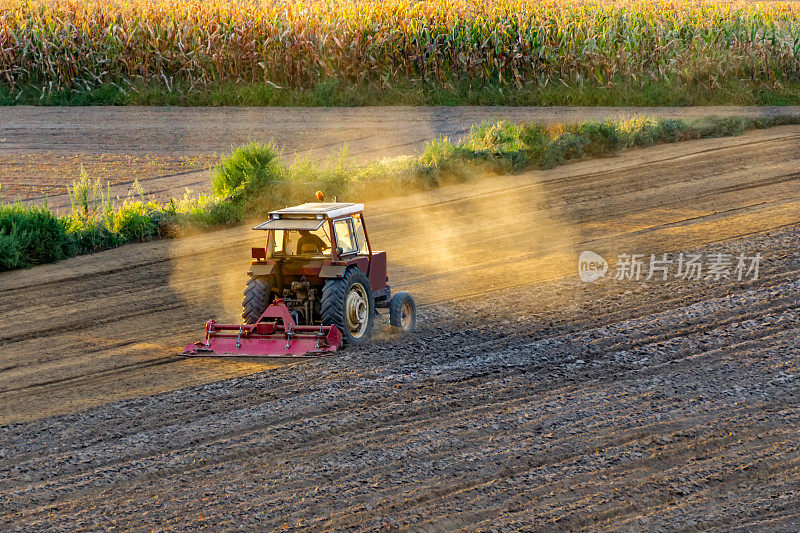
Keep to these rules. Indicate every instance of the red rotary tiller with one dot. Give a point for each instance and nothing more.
(275, 334)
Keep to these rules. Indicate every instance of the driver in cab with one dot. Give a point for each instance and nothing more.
(310, 244)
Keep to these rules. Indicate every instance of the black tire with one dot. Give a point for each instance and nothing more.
(334, 306)
(257, 297)
(403, 312)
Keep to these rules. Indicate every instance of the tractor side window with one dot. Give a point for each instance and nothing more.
(345, 236)
(361, 238)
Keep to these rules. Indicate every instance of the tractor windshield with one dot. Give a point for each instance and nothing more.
(306, 243)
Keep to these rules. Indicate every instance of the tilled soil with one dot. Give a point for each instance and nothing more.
(526, 400)
(557, 406)
(40, 177)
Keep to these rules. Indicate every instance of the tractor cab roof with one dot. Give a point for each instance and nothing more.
(308, 216)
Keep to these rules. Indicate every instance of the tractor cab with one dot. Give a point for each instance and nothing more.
(315, 242)
(319, 230)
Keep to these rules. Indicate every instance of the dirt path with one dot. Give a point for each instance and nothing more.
(527, 400)
(167, 149)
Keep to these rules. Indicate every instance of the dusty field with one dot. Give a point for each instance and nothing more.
(168, 149)
(527, 399)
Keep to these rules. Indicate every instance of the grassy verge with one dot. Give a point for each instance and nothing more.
(333, 93)
(254, 179)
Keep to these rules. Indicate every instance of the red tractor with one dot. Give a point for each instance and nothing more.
(315, 286)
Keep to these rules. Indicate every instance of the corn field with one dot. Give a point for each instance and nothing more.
(184, 44)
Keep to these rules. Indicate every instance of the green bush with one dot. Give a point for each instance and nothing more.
(30, 235)
(247, 169)
(89, 204)
(499, 144)
(90, 237)
(722, 127)
(566, 146)
(135, 221)
(670, 130)
(600, 138)
(777, 120)
(440, 157)
(536, 138)
(202, 212)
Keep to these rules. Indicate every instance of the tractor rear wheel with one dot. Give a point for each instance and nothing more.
(402, 312)
(347, 303)
(257, 297)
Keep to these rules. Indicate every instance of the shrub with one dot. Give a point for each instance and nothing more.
(500, 144)
(89, 204)
(30, 235)
(135, 221)
(670, 130)
(600, 138)
(722, 127)
(249, 168)
(440, 156)
(201, 212)
(90, 237)
(566, 146)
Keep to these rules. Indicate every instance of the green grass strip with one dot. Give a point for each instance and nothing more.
(333, 93)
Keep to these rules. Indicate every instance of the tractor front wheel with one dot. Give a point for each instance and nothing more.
(403, 312)
(347, 303)
(257, 297)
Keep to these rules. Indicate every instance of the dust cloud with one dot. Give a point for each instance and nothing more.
(466, 239)
(213, 282)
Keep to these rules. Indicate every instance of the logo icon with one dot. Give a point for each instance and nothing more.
(591, 266)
